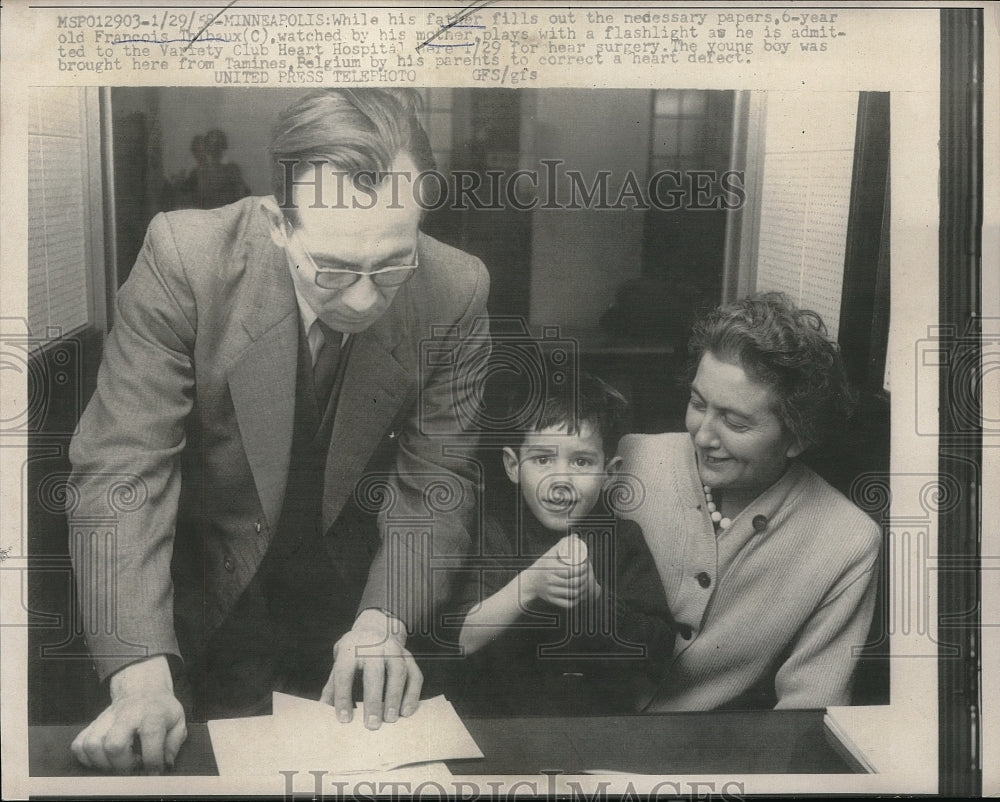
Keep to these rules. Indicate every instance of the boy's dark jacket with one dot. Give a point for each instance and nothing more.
(604, 656)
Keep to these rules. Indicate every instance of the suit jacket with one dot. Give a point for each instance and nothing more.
(189, 430)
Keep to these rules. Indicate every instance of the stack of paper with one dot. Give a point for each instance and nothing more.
(303, 735)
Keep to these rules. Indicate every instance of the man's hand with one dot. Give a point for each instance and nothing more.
(391, 678)
(142, 704)
(563, 576)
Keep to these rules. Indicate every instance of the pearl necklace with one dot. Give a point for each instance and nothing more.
(718, 521)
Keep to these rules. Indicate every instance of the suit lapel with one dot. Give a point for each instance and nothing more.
(374, 388)
(262, 376)
(262, 384)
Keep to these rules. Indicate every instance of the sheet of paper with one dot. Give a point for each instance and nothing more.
(434, 732)
(251, 747)
(303, 735)
(243, 746)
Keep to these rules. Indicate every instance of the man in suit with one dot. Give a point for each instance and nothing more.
(264, 392)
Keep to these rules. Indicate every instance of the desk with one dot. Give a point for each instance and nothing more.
(752, 742)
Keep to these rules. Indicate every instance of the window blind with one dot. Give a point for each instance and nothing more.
(58, 213)
(808, 166)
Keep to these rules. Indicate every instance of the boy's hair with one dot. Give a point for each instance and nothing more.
(571, 404)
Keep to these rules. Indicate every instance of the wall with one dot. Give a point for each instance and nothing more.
(580, 256)
(245, 114)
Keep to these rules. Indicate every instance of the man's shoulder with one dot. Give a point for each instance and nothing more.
(218, 221)
(441, 254)
(201, 241)
(448, 274)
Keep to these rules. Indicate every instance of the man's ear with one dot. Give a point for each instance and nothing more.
(511, 465)
(613, 466)
(275, 221)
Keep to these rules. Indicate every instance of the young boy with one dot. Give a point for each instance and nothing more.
(564, 609)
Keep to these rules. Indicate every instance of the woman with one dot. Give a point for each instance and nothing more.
(770, 573)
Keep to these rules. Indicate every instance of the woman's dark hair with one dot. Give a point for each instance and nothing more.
(787, 349)
(352, 130)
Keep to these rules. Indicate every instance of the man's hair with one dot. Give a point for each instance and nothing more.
(351, 131)
(571, 404)
(787, 349)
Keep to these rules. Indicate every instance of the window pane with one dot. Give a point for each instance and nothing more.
(667, 103)
(691, 134)
(666, 137)
(694, 102)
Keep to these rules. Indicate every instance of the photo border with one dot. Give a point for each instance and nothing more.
(959, 733)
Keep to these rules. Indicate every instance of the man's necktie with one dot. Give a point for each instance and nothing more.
(325, 367)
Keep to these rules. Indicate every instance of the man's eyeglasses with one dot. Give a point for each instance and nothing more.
(340, 278)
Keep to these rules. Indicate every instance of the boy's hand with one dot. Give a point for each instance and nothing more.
(563, 576)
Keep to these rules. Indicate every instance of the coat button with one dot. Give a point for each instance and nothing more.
(704, 579)
(257, 527)
(228, 564)
(684, 631)
(759, 523)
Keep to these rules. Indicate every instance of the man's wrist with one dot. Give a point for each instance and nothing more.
(382, 620)
(151, 674)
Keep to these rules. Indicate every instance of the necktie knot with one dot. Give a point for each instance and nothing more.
(328, 333)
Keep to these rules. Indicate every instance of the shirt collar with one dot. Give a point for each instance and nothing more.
(308, 316)
(306, 313)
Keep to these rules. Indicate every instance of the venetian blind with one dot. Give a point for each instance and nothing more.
(808, 167)
(59, 238)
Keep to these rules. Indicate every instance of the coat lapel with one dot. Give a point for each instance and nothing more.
(262, 376)
(262, 384)
(375, 387)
